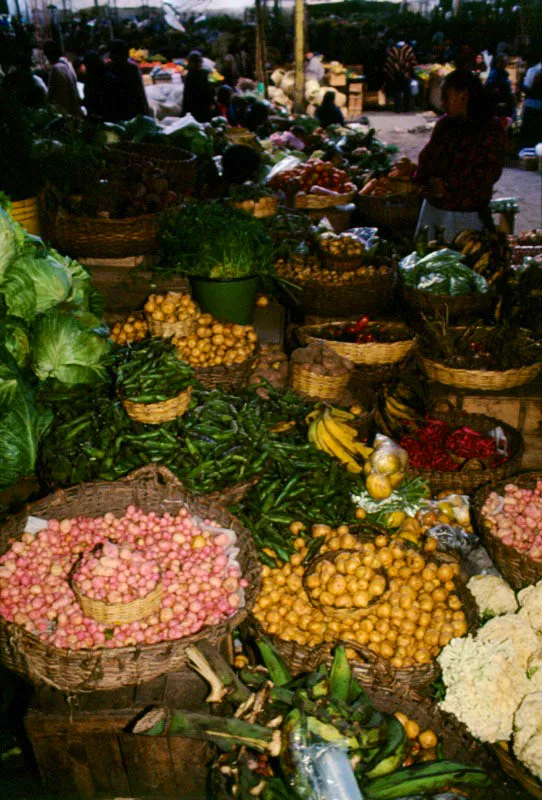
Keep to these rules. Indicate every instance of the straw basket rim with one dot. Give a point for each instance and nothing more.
(163, 411)
(367, 352)
(307, 383)
(317, 201)
(489, 380)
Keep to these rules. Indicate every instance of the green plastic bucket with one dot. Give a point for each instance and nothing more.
(227, 300)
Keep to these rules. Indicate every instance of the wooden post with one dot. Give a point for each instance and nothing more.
(299, 88)
(457, 3)
(261, 47)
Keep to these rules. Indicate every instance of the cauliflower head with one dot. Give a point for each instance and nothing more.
(493, 595)
(528, 733)
(483, 685)
(534, 672)
(530, 601)
(517, 631)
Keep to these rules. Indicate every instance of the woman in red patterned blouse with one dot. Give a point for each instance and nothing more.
(463, 159)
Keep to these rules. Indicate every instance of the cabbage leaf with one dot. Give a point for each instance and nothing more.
(69, 346)
(33, 285)
(21, 429)
(14, 334)
(8, 242)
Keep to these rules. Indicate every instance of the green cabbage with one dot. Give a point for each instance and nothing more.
(9, 382)
(21, 428)
(15, 340)
(69, 346)
(34, 285)
(8, 244)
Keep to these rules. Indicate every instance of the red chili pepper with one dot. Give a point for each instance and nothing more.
(362, 323)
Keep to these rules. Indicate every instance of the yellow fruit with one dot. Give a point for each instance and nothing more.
(378, 486)
(395, 519)
(396, 479)
(412, 729)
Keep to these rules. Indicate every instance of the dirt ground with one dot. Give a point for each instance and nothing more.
(411, 131)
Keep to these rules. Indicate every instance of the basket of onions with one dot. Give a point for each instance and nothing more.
(197, 577)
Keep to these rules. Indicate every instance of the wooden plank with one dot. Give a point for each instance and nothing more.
(81, 770)
(149, 766)
(108, 768)
(533, 416)
(152, 692)
(185, 690)
(505, 408)
(99, 722)
(532, 458)
(190, 752)
(52, 760)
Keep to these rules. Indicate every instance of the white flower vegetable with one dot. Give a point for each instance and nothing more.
(530, 600)
(483, 685)
(528, 733)
(493, 595)
(534, 672)
(512, 628)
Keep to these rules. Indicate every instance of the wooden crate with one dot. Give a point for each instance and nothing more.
(83, 749)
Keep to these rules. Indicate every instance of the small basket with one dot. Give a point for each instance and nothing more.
(515, 770)
(340, 263)
(393, 211)
(156, 413)
(482, 379)
(317, 201)
(473, 473)
(371, 295)
(464, 307)
(307, 383)
(229, 378)
(340, 613)
(261, 208)
(369, 353)
(120, 613)
(180, 329)
(518, 569)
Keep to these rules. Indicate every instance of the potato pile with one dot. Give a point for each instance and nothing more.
(417, 614)
(321, 360)
(342, 244)
(133, 329)
(214, 343)
(304, 270)
(173, 307)
(346, 582)
(272, 365)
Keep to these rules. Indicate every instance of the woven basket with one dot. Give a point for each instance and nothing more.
(474, 473)
(364, 295)
(105, 238)
(370, 353)
(393, 211)
(483, 379)
(152, 488)
(262, 208)
(518, 569)
(155, 413)
(515, 769)
(466, 307)
(120, 613)
(307, 383)
(340, 263)
(179, 165)
(180, 329)
(229, 378)
(317, 201)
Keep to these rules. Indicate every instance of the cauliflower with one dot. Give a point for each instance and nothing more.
(530, 600)
(483, 685)
(512, 628)
(534, 672)
(493, 595)
(528, 733)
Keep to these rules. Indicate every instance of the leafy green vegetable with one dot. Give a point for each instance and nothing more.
(16, 341)
(8, 245)
(20, 431)
(191, 138)
(34, 285)
(9, 382)
(70, 347)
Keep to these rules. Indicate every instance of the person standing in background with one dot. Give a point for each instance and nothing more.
(531, 122)
(328, 113)
(62, 86)
(399, 71)
(314, 68)
(126, 96)
(198, 98)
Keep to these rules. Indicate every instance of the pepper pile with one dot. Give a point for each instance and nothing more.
(437, 446)
(150, 372)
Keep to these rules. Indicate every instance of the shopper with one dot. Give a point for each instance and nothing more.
(21, 86)
(328, 113)
(97, 86)
(198, 98)
(462, 160)
(399, 71)
(62, 86)
(224, 107)
(314, 69)
(126, 96)
(499, 89)
(531, 122)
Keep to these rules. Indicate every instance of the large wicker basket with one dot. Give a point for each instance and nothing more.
(393, 211)
(309, 384)
(156, 413)
(473, 473)
(318, 201)
(97, 237)
(262, 208)
(515, 769)
(152, 488)
(464, 307)
(482, 379)
(364, 295)
(230, 378)
(518, 569)
(370, 353)
(179, 165)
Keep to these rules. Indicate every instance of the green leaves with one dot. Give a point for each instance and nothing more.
(20, 431)
(34, 285)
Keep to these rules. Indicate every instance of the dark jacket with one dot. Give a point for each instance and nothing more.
(126, 92)
(329, 115)
(198, 98)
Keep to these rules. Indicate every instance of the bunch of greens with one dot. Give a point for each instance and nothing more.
(213, 240)
(441, 272)
(249, 191)
(151, 372)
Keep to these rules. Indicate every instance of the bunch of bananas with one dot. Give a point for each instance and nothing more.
(398, 410)
(486, 253)
(330, 432)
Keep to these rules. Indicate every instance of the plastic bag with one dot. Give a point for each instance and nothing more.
(324, 770)
(288, 162)
(386, 467)
(501, 442)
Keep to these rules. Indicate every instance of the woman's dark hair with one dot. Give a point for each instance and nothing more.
(240, 163)
(328, 100)
(224, 94)
(478, 107)
(52, 51)
(118, 50)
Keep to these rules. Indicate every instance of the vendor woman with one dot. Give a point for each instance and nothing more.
(462, 160)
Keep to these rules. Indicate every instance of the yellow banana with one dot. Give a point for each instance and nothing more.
(398, 409)
(346, 436)
(312, 433)
(340, 413)
(330, 445)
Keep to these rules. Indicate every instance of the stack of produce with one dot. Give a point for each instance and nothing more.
(279, 735)
(271, 367)
(170, 314)
(343, 245)
(486, 252)
(313, 177)
(442, 273)
(317, 371)
(133, 329)
(201, 584)
(214, 343)
(330, 431)
(397, 182)
(418, 611)
(255, 199)
(515, 517)
(308, 270)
